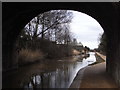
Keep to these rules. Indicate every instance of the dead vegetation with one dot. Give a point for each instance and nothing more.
(28, 56)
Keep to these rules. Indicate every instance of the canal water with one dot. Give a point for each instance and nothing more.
(48, 74)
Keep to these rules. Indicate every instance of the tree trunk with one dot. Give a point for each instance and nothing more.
(42, 34)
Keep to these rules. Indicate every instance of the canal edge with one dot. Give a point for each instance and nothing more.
(78, 79)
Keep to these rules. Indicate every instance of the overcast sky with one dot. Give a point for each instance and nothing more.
(86, 29)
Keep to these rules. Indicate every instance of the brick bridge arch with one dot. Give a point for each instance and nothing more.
(16, 15)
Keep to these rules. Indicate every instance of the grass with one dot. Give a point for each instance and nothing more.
(75, 52)
(98, 60)
(29, 56)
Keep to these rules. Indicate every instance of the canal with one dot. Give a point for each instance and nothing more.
(48, 74)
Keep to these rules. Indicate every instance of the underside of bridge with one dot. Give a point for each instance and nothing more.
(16, 15)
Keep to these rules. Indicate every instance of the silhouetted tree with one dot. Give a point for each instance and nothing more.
(48, 24)
(45, 30)
(87, 48)
(103, 45)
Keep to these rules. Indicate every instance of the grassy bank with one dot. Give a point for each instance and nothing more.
(98, 60)
(27, 56)
(40, 50)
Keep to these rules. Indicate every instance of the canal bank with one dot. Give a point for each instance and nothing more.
(48, 74)
(94, 76)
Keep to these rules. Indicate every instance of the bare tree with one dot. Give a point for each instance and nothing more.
(48, 24)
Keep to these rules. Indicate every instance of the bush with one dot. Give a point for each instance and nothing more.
(33, 51)
(28, 56)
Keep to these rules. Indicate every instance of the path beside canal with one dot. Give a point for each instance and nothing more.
(95, 76)
(102, 56)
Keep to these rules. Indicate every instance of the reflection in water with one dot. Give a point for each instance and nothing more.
(61, 77)
(59, 74)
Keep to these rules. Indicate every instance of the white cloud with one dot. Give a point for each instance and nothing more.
(86, 29)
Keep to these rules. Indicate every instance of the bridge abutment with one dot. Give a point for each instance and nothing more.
(108, 15)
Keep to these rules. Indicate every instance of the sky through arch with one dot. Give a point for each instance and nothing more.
(85, 29)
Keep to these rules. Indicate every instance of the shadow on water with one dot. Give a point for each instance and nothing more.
(49, 74)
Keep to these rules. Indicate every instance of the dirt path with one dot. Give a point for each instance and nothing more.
(102, 56)
(96, 77)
